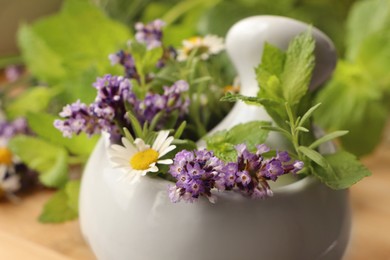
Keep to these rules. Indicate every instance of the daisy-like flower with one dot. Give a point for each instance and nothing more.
(9, 180)
(204, 46)
(140, 158)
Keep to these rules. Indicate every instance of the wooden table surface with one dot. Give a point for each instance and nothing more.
(22, 236)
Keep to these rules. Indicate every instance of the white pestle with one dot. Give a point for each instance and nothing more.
(244, 44)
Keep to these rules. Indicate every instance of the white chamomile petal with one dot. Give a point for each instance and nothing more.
(167, 147)
(160, 139)
(166, 161)
(140, 144)
(167, 150)
(153, 169)
(128, 145)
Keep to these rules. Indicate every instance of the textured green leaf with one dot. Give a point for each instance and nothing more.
(353, 102)
(62, 206)
(298, 67)
(314, 156)
(269, 73)
(42, 61)
(346, 170)
(365, 18)
(23, 105)
(42, 125)
(63, 47)
(223, 142)
(72, 190)
(49, 160)
(374, 56)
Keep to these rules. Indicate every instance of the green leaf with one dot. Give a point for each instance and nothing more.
(365, 18)
(63, 206)
(308, 114)
(23, 105)
(66, 46)
(346, 170)
(42, 125)
(374, 56)
(314, 156)
(136, 125)
(180, 130)
(269, 73)
(353, 102)
(128, 135)
(49, 160)
(327, 138)
(72, 190)
(298, 67)
(223, 142)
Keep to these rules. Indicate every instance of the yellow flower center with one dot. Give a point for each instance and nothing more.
(194, 39)
(143, 160)
(5, 156)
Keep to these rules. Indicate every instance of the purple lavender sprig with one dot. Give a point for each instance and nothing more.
(126, 60)
(170, 101)
(151, 34)
(9, 129)
(109, 110)
(104, 114)
(199, 172)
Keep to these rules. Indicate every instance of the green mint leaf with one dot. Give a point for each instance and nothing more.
(229, 97)
(298, 68)
(49, 160)
(327, 138)
(353, 102)
(145, 59)
(314, 156)
(41, 60)
(42, 125)
(22, 105)
(376, 63)
(346, 170)
(274, 109)
(72, 190)
(68, 59)
(63, 206)
(269, 73)
(223, 142)
(360, 23)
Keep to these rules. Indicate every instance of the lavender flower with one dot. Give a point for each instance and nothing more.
(197, 173)
(78, 118)
(127, 61)
(13, 72)
(170, 101)
(108, 111)
(150, 34)
(10, 129)
(261, 170)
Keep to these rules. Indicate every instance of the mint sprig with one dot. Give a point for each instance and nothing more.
(284, 83)
(223, 143)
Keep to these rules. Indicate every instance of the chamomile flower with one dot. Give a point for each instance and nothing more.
(205, 47)
(9, 180)
(140, 158)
